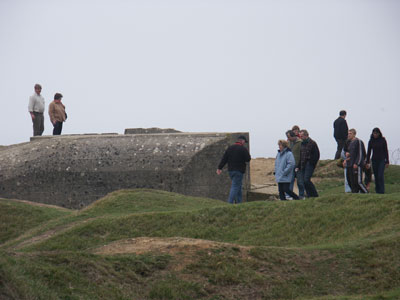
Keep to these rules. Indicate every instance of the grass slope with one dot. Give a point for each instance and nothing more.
(334, 247)
(18, 216)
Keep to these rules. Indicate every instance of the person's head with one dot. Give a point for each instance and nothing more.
(282, 144)
(58, 97)
(343, 114)
(352, 134)
(242, 139)
(304, 134)
(291, 135)
(376, 133)
(38, 88)
(296, 129)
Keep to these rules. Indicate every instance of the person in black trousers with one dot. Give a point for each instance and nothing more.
(57, 114)
(380, 158)
(340, 132)
(356, 163)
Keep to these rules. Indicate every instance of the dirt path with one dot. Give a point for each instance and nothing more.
(170, 245)
(40, 204)
(46, 235)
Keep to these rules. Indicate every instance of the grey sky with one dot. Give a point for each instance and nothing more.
(257, 66)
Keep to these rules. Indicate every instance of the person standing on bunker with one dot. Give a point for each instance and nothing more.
(36, 109)
(340, 132)
(236, 156)
(57, 114)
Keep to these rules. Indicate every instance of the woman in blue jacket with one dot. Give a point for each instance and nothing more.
(284, 166)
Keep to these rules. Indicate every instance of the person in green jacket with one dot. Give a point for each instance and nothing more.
(295, 145)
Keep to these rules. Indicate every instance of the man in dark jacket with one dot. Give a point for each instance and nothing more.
(309, 157)
(340, 130)
(355, 163)
(236, 156)
(295, 146)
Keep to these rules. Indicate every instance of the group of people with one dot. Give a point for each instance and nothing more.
(296, 159)
(298, 156)
(36, 110)
(356, 161)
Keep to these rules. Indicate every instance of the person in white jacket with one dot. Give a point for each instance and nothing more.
(36, 109)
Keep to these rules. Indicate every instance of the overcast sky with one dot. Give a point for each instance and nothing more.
(204, 66)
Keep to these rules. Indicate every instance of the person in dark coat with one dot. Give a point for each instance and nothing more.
(340, 131)
(355, 163)
(377, 145)
(309, 157)
(236, 156)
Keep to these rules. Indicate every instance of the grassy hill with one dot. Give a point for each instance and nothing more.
(146, 244)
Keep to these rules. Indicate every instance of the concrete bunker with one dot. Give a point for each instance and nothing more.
(75, 170)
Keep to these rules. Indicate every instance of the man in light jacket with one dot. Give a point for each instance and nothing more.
(36, 109)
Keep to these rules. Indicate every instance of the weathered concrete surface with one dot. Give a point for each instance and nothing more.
(73, 171)
(150, 130)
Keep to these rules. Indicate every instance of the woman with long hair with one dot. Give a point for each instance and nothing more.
(380, 158)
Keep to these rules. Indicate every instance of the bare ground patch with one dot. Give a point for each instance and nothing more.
(170, 245)
(40, 204)
(46, 235)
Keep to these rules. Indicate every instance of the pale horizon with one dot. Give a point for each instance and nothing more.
(210, 66)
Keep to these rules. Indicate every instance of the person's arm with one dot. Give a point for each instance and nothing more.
(51, 113)
(222, 163)
(297, 166)
(345, 130)
(290, 164)
(314, 154)
(386, 152)
(31, 106)
(357, 161)
(247, 155)
(369, 151)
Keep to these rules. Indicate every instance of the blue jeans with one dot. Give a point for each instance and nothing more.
(236, 187)
(378, 166)
(307, 173)
(300, 183)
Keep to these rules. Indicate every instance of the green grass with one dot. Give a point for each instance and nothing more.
(328, 220)
(18, 217)
(337, 246)
(142, 201)
(77, 275)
